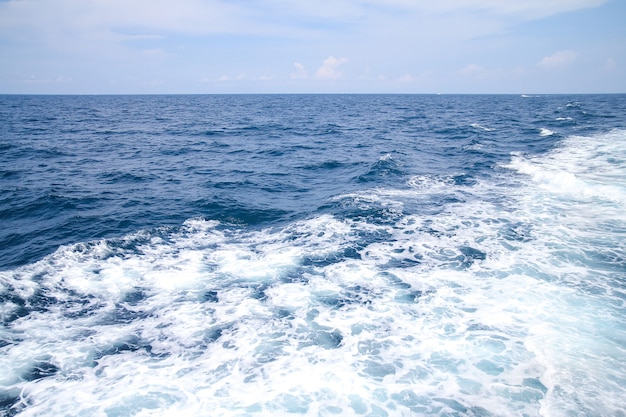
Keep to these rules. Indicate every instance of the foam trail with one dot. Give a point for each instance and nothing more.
(578, 209)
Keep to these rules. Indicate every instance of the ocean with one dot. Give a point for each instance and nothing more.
(315, 255)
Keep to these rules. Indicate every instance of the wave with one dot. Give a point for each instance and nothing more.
(480, 127)
(424, 287)
(545, 132)
(488, 305)
(385, 167)
(581, 167)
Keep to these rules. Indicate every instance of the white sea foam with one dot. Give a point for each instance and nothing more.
(582, 167)
(481, 127)
(430, 183)
(578, 207)
(545, 132)
(489, 307)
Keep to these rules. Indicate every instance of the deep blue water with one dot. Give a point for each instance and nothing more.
(371, 255)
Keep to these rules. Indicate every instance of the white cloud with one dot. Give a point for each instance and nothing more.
(328, 70)
(430, 41)
(300, 73)
(267, 16)
(60, 22)
(557, 59)
(526, 9)
(357, 9)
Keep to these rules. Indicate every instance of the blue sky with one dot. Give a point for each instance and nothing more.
(307, 46)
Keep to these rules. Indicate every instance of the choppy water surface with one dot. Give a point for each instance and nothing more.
(313, 255)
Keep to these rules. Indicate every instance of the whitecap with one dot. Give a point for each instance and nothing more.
(480, 127)
(545, 132)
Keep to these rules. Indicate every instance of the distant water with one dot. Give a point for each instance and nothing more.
(320, 255)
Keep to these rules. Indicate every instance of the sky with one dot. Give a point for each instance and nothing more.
(312, 46)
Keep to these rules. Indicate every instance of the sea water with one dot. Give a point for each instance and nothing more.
(319, 255)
